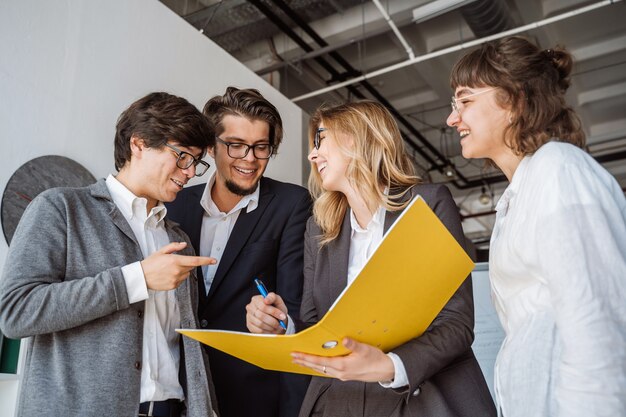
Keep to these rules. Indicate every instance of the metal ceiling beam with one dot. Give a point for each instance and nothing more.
(394, 28)
(465, 183)
(438, 162)
(327, 49)
(459, 47)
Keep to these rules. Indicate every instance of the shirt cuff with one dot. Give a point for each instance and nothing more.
(400, 378)
(136, 286)
(291, 328)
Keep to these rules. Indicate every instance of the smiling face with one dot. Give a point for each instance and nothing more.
(481, 122)
(153, 174)
(236, 178)
(331, 162)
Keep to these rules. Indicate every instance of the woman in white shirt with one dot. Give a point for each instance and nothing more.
(361, 180)
(558, 249)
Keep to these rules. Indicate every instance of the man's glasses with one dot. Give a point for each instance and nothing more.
(316, 138)
(238, 150)
(457, 103)
(185, 160)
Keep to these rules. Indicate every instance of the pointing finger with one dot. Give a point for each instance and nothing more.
(195, 260)
(172, 247)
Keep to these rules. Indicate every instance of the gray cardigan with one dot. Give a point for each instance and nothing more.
(63, 287)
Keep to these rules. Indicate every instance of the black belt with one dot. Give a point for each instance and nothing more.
(167, 408)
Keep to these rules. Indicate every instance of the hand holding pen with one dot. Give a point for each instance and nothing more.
(266, 313)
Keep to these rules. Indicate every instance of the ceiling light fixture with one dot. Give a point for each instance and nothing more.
(436, 8)
(484, 198)
(449, 172)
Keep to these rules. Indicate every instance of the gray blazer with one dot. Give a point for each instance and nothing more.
(444, 377)
(63, 287)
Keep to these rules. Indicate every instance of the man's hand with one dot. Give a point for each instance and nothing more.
(163, 270)
(263, 314)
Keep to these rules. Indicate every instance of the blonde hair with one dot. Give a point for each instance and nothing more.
(377, 161)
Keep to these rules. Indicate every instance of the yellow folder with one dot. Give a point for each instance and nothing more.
(410, 277)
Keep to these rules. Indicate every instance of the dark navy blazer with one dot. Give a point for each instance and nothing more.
(267, 242)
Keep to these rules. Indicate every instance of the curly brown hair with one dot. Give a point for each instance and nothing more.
(532, 83)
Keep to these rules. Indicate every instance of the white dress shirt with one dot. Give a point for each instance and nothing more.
(558, 279)
(217, 227)
(363, 244)
(160, 350)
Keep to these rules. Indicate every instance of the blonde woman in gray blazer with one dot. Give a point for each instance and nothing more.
(66, 283)
(362, 180)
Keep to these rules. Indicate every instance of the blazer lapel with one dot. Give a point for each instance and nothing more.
(246, 222)
(193, 228)
(338, 252)
(392, 216)
(100, 190)
(196, 212)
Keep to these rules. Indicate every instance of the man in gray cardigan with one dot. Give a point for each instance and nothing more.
(99, 280)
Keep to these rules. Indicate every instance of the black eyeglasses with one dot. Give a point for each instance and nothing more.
(185, 160)
(316, 138)
(238, 150)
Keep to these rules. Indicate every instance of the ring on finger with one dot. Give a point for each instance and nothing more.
(324, 369)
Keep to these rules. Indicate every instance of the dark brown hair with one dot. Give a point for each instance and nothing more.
(533, 82)
(248, 103)
(157, 118)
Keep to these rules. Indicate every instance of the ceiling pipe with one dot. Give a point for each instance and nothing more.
(466, 183)
(436, 8)
(474, 215)
(394, 28)
(321, 42)
(297, 39)
(456, 48)
(325, 50)
(463, 184)
(486, 17)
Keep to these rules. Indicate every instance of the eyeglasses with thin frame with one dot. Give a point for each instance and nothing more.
(238, 150)
(457, 107)
(316, 138)
(185, 160)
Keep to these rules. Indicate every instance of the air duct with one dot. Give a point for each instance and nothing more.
(487, 17)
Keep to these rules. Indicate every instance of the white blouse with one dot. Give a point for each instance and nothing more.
(558, 279)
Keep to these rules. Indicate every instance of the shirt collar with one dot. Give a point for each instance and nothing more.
(129, 204)
(513, 187)
(377, 221)
(250, 201)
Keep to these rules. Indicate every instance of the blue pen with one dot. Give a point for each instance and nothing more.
(261, 287)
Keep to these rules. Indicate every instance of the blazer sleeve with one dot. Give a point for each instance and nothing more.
(290, 255)
(289, 285)
(35, 296)
(308, 312)
(451, 333)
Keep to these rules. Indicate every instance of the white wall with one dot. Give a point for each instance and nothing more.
(69, 68)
